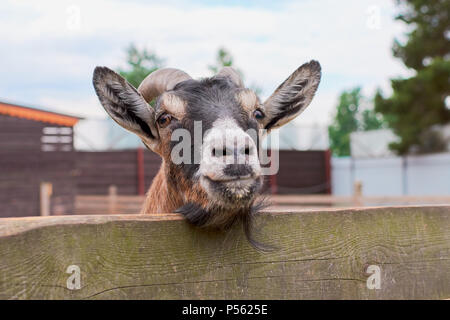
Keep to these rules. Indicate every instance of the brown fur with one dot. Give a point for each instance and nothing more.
(161, 197)
(170, 190)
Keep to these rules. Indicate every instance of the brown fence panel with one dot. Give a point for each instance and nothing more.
(22, 172)
(99, 170)
(301, 172)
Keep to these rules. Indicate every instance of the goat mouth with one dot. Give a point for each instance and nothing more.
(240, 189)
(233, 179)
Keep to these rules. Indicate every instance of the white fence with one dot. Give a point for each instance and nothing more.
(396, 176)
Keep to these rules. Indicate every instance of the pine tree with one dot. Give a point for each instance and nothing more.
(418, 103)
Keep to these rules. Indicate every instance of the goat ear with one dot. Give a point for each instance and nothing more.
(126, 105)
(292, 96)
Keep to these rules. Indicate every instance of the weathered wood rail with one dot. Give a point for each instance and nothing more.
(321, 255)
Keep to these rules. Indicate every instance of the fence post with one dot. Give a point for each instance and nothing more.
(45, 192)
(405, 175)
(352, 173)
(357, 193)
(112, 199)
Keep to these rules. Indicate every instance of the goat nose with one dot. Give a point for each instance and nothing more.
(222, 152)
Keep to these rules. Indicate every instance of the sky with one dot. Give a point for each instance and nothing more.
(48, 49)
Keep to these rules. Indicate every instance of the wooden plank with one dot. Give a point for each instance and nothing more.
(320, 255)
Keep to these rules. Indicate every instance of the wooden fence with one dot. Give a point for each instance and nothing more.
(25, 168)
(300, 172)
(98, 170)
(378, 253)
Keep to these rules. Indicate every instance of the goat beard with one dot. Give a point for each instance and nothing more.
(220, 218)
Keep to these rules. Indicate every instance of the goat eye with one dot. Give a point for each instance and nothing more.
(164, 120)
(258, 114)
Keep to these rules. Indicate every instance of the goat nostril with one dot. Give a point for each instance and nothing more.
(247, 150)
(217, 152)
(221, 152)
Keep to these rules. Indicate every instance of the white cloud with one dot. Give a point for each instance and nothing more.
(50, 58)
(85, 107)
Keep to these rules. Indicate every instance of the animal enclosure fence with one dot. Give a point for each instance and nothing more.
(378, 253)
(411, 175)
(70, 173)
(300, 172)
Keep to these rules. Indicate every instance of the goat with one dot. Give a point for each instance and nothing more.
(215, 191)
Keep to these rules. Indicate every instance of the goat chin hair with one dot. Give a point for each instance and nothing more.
(201, 217)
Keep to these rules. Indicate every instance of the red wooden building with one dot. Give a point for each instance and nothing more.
(36, 147)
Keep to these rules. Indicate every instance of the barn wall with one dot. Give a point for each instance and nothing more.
(18, 135)
(23, 166)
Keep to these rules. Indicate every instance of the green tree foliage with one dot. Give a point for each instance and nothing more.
(418, 103)
(429, 38)
(345, 122)
(140, 64)
(371, 120)
(351, 117)
(223, 59)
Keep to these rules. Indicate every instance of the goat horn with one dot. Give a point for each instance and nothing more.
(232, 74)
(160, 81)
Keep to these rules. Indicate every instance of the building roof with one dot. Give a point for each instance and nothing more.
(34, 114)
